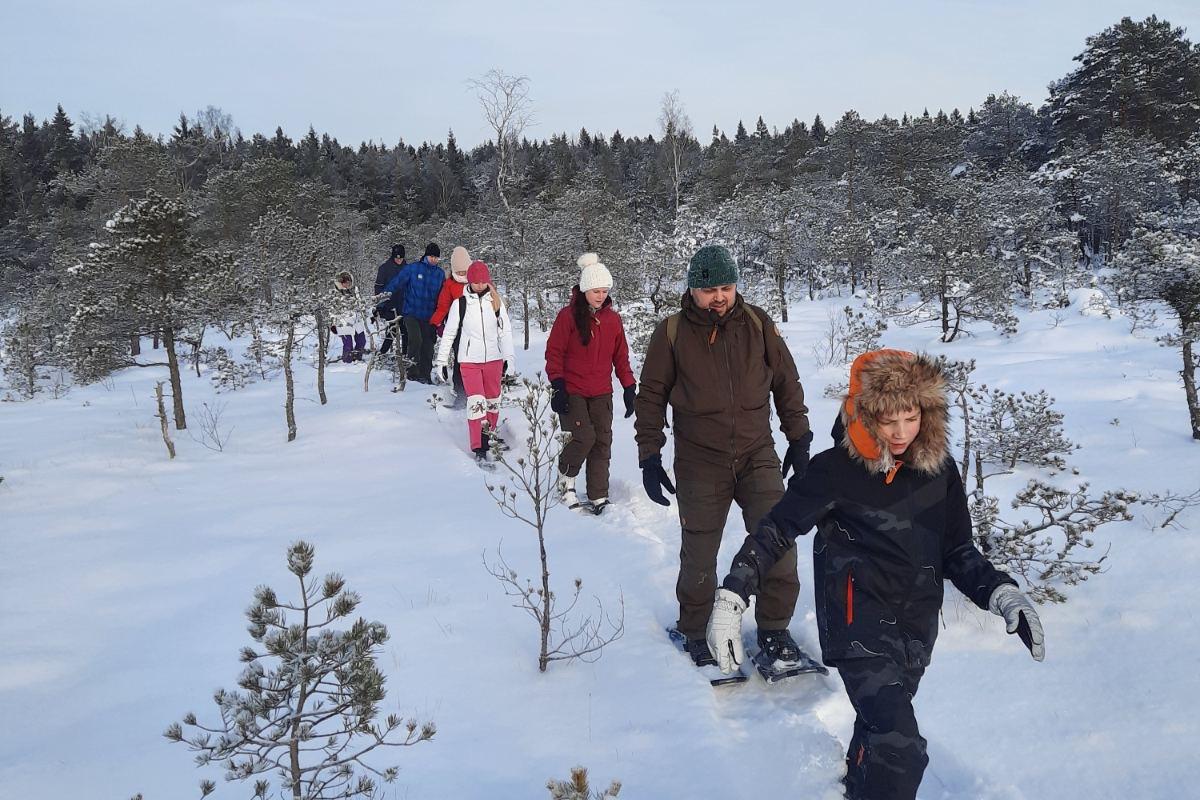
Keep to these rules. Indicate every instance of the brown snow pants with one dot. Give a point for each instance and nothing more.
(589, 421)
(705, 492)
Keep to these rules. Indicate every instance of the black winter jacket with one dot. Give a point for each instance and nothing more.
(880, 556)
(388, 270)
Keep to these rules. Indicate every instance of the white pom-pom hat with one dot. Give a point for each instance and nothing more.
(593, 275)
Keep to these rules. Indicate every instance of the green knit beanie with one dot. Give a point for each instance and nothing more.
(711, 266)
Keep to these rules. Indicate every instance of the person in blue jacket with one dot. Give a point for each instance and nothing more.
(419, 282)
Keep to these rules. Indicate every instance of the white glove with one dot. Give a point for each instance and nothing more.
(1011, 603)
(725, 630)
(441, 373)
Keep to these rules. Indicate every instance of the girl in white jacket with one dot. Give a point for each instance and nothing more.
(478, 323)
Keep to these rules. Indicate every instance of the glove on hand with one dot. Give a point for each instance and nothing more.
(441, 373)
(796, 457)
(654, 479)
(333, 329)
(504, 369)
(558, 401)
(1011, 603)
(629, 396)
(725, 630)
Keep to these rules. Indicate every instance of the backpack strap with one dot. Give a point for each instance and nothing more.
(462, 314)
(673, 329)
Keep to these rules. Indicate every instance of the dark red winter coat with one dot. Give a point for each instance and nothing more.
(588, 369)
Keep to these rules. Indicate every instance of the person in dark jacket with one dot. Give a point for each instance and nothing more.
(717, 363)
(892, 525)
(586, 343)
(389, 309)
(419, 283)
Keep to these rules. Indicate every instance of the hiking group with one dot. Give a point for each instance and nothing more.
(886, 499)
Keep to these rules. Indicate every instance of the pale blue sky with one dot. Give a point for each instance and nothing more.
(367, 69)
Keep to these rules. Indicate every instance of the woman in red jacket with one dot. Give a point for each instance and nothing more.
(586, 343)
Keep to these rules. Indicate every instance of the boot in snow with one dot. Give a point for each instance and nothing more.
(566, 486)
(481, 458)
(701, 655)
(598, 505)
(778, 647)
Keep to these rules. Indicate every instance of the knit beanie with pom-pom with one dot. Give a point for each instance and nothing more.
(594, 275)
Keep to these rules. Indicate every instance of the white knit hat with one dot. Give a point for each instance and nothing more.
(460, 259)
(594, 275)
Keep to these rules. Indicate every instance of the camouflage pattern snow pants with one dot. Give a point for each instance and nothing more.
(886, 757)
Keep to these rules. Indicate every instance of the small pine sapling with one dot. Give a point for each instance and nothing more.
(577, 787)
(1046, 550)
(307, 707)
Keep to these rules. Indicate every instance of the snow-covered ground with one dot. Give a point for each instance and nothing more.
(124, 578)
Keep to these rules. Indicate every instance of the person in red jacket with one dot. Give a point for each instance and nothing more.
(452, 289)
(586, 343)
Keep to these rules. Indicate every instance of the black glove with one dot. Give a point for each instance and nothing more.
(630, 394)
(333, 329)
(504, 369)
(796, 457)
(654, 479)
(558, 401)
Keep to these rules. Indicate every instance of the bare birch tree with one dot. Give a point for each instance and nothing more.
(676, 130)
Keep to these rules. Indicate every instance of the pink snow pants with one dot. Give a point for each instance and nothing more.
(481, 382)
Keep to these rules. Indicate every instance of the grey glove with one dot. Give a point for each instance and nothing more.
(1011, 603)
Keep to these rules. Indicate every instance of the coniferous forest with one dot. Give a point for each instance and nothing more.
(108, 234)
(146, 277)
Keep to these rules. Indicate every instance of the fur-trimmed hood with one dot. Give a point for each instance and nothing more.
(887, 382)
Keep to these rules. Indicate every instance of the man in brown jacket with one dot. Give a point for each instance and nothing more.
(717, 363)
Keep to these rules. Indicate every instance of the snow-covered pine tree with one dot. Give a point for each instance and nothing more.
(24, 347)
(1161, 264)
(950, 272)
(1005, 132)
(1104, 188)
(147, 276)
(292, 259)
(1016, 428)
(1026, 234)
(1141, 77)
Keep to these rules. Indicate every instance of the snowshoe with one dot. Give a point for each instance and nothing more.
(702, 659)
(597, 506)
(481, 459)
(572, 501)
(779, 657)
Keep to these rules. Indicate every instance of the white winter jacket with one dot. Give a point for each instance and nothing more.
(346, 317)
(486, 334)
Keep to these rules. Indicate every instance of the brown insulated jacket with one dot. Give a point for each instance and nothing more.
(718, 377)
